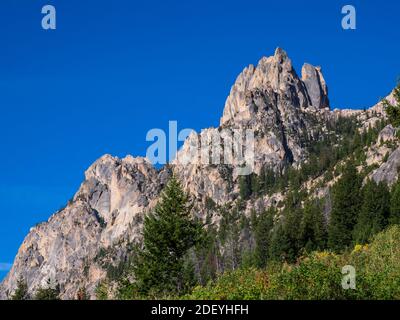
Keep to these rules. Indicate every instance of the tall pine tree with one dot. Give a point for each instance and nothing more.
(285, 238)
(393, 110)
(169, 232)
(49, 292)
(245, 187)
(263, 229)
(374, 212)
(313, 233)
(280, 243)
(21, 293)
(345, 208)
(395, 204)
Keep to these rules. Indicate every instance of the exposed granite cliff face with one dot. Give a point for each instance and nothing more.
(284, 111)
(389, 171)
(387, 146)
(120, 191)
(315, 84)
(106, 212)
(59, 250)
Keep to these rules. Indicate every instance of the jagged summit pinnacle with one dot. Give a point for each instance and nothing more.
(279, 52)
(274, 78)
(280, 57)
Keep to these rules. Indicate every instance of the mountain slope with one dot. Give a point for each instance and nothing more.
(100, 224)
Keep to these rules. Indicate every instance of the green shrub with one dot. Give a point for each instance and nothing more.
(247, 284)
(378, 266)
(102, 290)
(318, 276)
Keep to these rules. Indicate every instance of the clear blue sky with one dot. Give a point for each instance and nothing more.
(115, 69)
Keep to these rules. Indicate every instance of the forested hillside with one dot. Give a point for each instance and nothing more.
(324, 193)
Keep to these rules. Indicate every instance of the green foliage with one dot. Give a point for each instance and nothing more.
(393, 110)
(178, 254)
(229, 237)
(286, 243)
(207, 256)
(234, 285)
(291, 222)
(346, 204)
(263, 228)
(21, 293)
(342, 140)
(169, 233)
(267, 180)
(210, 204)
(395, 204)
(126, 290)
(279, 243)
(102, 290)
(378, 266)
(115, 272)
(245, 184)
(49, 292)
(313, 233)
(255, 184)
(317, 276)
(374, 212)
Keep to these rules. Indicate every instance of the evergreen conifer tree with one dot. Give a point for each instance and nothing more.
(285, 239)
(49, 292)
(169, 232)
(345, 208)
(393, 110)
(374, 212)
(280, 244)
(21, 293)
(395, 204)
(263, 237)
(313, 232)
(245, 187)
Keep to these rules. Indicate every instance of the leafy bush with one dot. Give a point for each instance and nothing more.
(378, 266)
(247, 284)
(102, 291)
(318, 276)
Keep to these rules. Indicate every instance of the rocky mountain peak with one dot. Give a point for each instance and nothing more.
(272, 80)
(273, 72)
(105, 217)
(102, 168)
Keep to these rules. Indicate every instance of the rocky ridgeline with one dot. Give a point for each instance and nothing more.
(285, 112)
